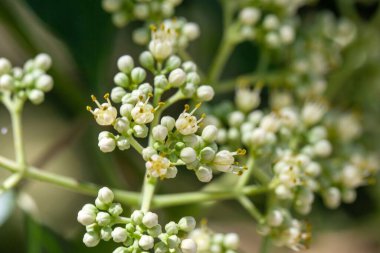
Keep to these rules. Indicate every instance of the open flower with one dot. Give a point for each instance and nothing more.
(143, 112)
(159, 166)
(105, 114)
(187, 123)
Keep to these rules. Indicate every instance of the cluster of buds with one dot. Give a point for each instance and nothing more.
(209, 241)
(30, 82)
(125, 11)
(177, 31)
(138, 233)
(286, 231)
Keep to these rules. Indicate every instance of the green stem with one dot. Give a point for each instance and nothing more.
(148, 192)
(135, 144)
(243, 180)
(265, 245)
(167, 200)
(130, 198)
(251, 208)
(225, 49)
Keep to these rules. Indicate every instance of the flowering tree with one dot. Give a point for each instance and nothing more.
(289, 150)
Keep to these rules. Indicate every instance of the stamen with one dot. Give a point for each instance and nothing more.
(241, 151)
(158, 106)
(187, 107)
(107, 97)
(96, 101)
(88, 108)
(195, 108)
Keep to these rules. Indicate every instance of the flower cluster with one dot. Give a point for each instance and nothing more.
(173, 141)
(125, 11)
(209, 241)
(30, 82)
(138, 233)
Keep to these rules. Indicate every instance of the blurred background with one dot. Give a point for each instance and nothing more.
(61, 136)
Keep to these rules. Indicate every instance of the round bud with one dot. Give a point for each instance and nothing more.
(171, 228)
(148, 152)
(159, 133)
(204, 174)
(103, 218)
(125, 63)
(146, 242)
(121, 125)
(155, 231)
(87, 215)
(91, 239)
(271, 22)
(123, 143)
(140, 36)
(188, 246)
(125, 110)
(210, 133)
(119, 19)
(106, 233)
(138, 75)
(287, 34)
(120, 250)
(193, 77)
(6, 82)
(275, 218)
(105, 195)
(137, 217)
(177, 77)
(205, 93)
(36, 96)
(188, 90)
(187, 224)
(43, 61)
(249, 16)
(140, 131)
(188, 155)
(191, 30)
(112, 5)
(121, 79)
(107, 145)
(168, 122)
(207, 154)
(5, 66)
(332, 197)
(173, 62)
(150, 219)
(119, 234)
(161, 82)
(141, 11)
(115, 209)
(146, 60)
(323, 148)
(189, 66)
(231, 241)
(236, 118)
(173, 241)
(44, 83)
(117, 94)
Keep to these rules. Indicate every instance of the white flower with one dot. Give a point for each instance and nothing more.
(103, 218)
(5, 66)
(191, 30)
(313, 112)
(188, 246)
(107, 144)
(43, 61)
(187, 224)
(119, 234)
(188, 155)
(205, 93)
(143, 112)
(224, 160)
(351, 176)
(36, 96)
(210, 133)
(105, 114)
(159, 133)
(105, 195)
(177, 77)
(231, 241)
(87, 215)
(249, 16)
(150, 219)
(148, 152)
(91, 239)
(204, 174)
(187, 123)
(125, 63)
(157, 166)
(349, 127)
(322, 148)
(146, 242)
(162, 43)
(246, 99)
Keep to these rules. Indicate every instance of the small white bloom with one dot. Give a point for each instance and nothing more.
(204, 174)
(283, 192)
(322, 148)
(103, 218)
(205, 93)
(168, 122)
(210, 133)
(36, 96)
(121, 125)
(188, 246)
(157, 166)
(351, 176)
(91, 239)
(150, 219)
(187, 123)
(313, 112)
(270, 123)
(249, 15)
(187, 224)
(105, 114)
(162, 43)
(43, 61)
(112, 5)
(177, 77)
(137, 217)
(142, 113)
(271, 22)
(159, 133)
(105, 195)
(246, 99)
(107, 144)
(224, 160)
(275, 218)
(188, 155)
(231, 241)
(146, 242)
(125, 63)
(5, 66)
(140, 131)
(236, 118)
(332, 197)
(119, 234)
(287, 34)
(191, 30)
(6, 82)
(148, 152)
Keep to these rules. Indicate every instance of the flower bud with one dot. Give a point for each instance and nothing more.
(6, 82)
(173, 241)
(168, 122)
(173, 62)
(210, 133)
(171, 172)
(207, 154)
(42, 61)
(188, 246)
(105, 195)
(146, 242)
(249, 16)
(138, 75)
(231, 241)
(189, 66)
(236, 118)
(91, 239)
(150, 219)
(106, 233)
(204, 174)
(44, 83)
(322, 148)
(187, 224)
(107, 144)
(115, 209)
(125, 110)
(147, 60)
(159, 133)
(5, 66)
(125, 64)
(205, 93)
(177, 77)
(171, 228)
(332, 197)
(155, 231)
(148, 152)
(161, 82)
(193, 77)
(121, 125)
(287, 34)
(121, 79)
(137, 217)
(117, 94)
(103, 219)
(188, 90)
(112, 5)
(36, 96)
(275, 218)
(188, 155)
(123, 143)
(87, 215)
(140, 131)
(119, 234)
(271, 22)
(191, 30)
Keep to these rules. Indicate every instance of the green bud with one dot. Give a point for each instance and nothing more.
(171, 228)
(187, 223)
(115, 209)
(207, 155)
(173, 62)
(147, 60)
(106, 233)
(121, 79)
(125, 63)
(138, 75)
(155, 231)
(161, 82)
